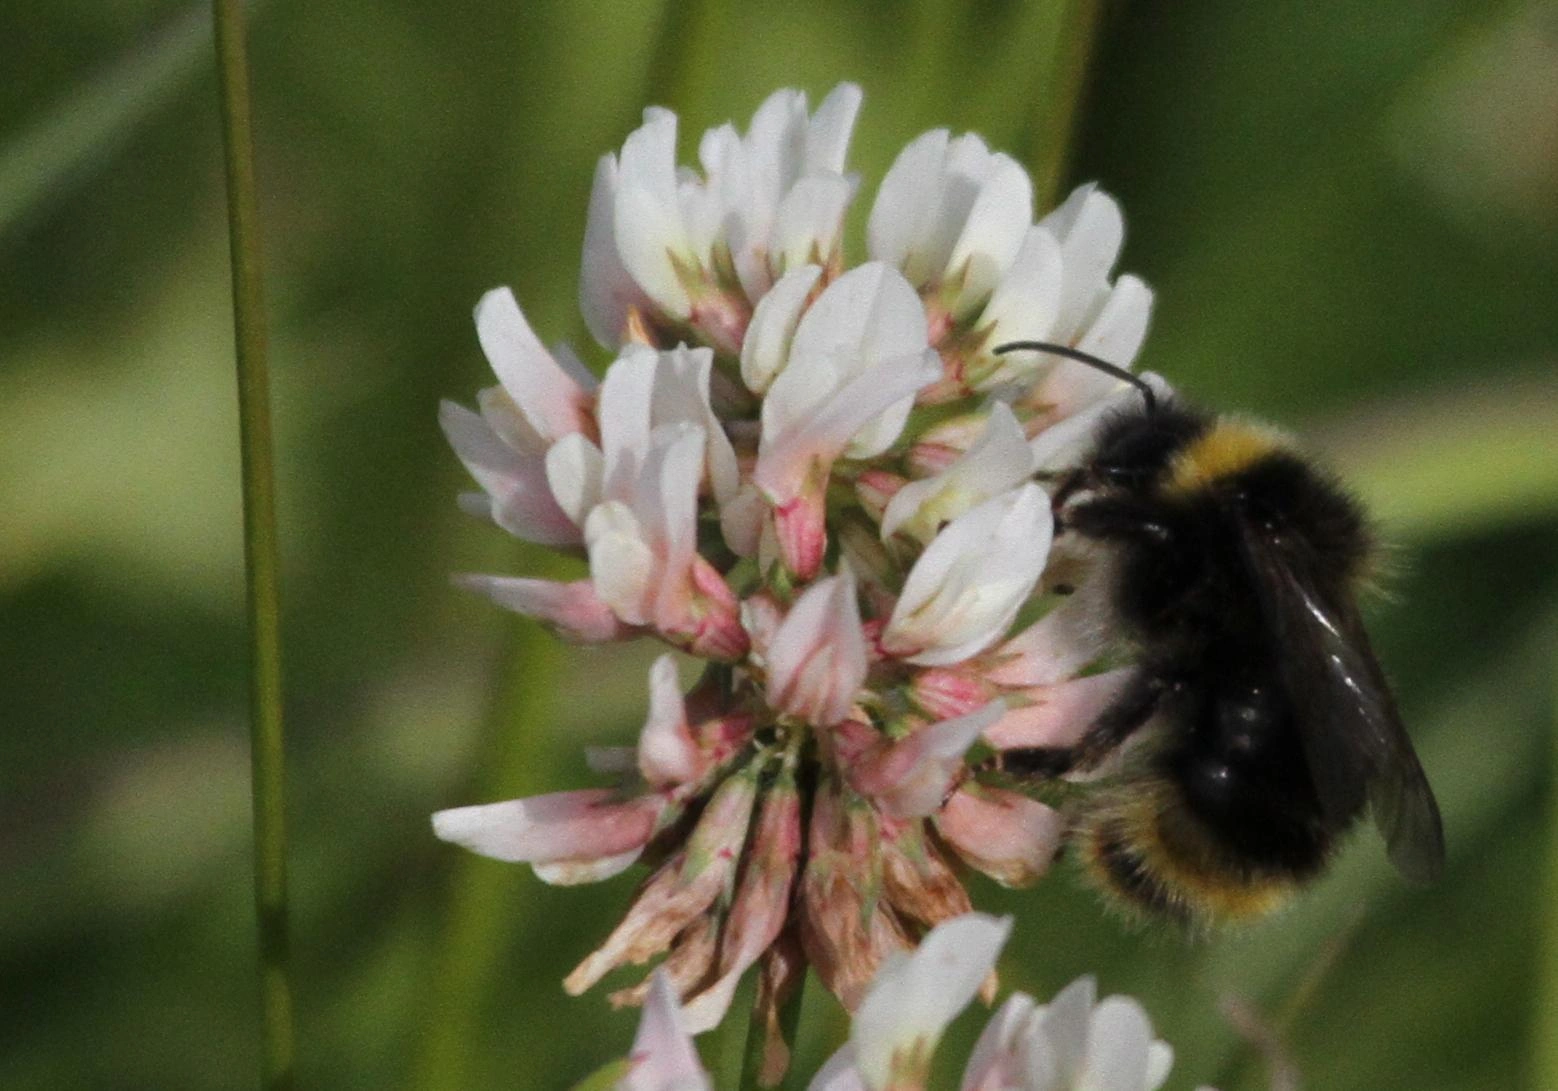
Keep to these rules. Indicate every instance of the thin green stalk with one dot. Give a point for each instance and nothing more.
(260, 553)
(1545, 1044)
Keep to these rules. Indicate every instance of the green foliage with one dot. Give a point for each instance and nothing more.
(1284, 178)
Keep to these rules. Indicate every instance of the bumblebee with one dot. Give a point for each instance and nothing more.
(1261, 725)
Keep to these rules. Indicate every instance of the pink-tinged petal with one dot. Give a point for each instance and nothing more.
(948, 693)
(1008, 836)
(911, 777)
(800, 525)
(663, 1057)
(578, 825)
(522, 504)
(998, 461)
(915, 996)
(741, 520)
(787, 459)
(844, 929)
(684, 887)
(767, 343)
(572, 610)
(715, 630)
(762, 904)
(1053, 648)
(553, 403)
(966, 588)
(1059, 713)
(995, 1064)
(667, 754)
(817, 661)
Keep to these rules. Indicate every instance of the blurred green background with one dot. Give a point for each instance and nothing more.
(1349, 212)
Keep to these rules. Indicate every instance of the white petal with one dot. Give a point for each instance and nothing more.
(868, 317)
(681, 395)
(626, 397)
(827, 135)
(907, 198)
(1025, 304)
(582, 872)
(999, 460)
(574, 472)
(966, 588)
(606, 288)
(1117, 1046)
(548, 397)
(575, 368)
(622, 565)
(809, 221)
(840, 1073)
(1117, 333)
(649, 234)
(663, 1057)
(995, 1052)
(1090, 229)
(993, 232)
(667, 502)
(768, 336)
(666, 752)
(1160, 1059)
(1065, 1023)
(876, 403)
(915, 996)
(522, 503)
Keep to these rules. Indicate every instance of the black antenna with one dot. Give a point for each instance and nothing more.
(1085, 358)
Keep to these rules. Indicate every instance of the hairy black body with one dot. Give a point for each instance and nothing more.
(1232, 565)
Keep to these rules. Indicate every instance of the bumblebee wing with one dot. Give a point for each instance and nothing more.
(1353, 738)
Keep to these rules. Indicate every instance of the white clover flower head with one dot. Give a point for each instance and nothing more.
(1073, 1043)
(818, 479)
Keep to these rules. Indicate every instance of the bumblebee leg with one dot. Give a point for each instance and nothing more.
(1114, 725)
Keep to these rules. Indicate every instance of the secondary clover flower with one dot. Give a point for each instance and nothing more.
(1070, 1044)
(819, 482)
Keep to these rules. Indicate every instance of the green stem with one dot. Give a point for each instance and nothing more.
(260, 553)
(1545, 1059)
